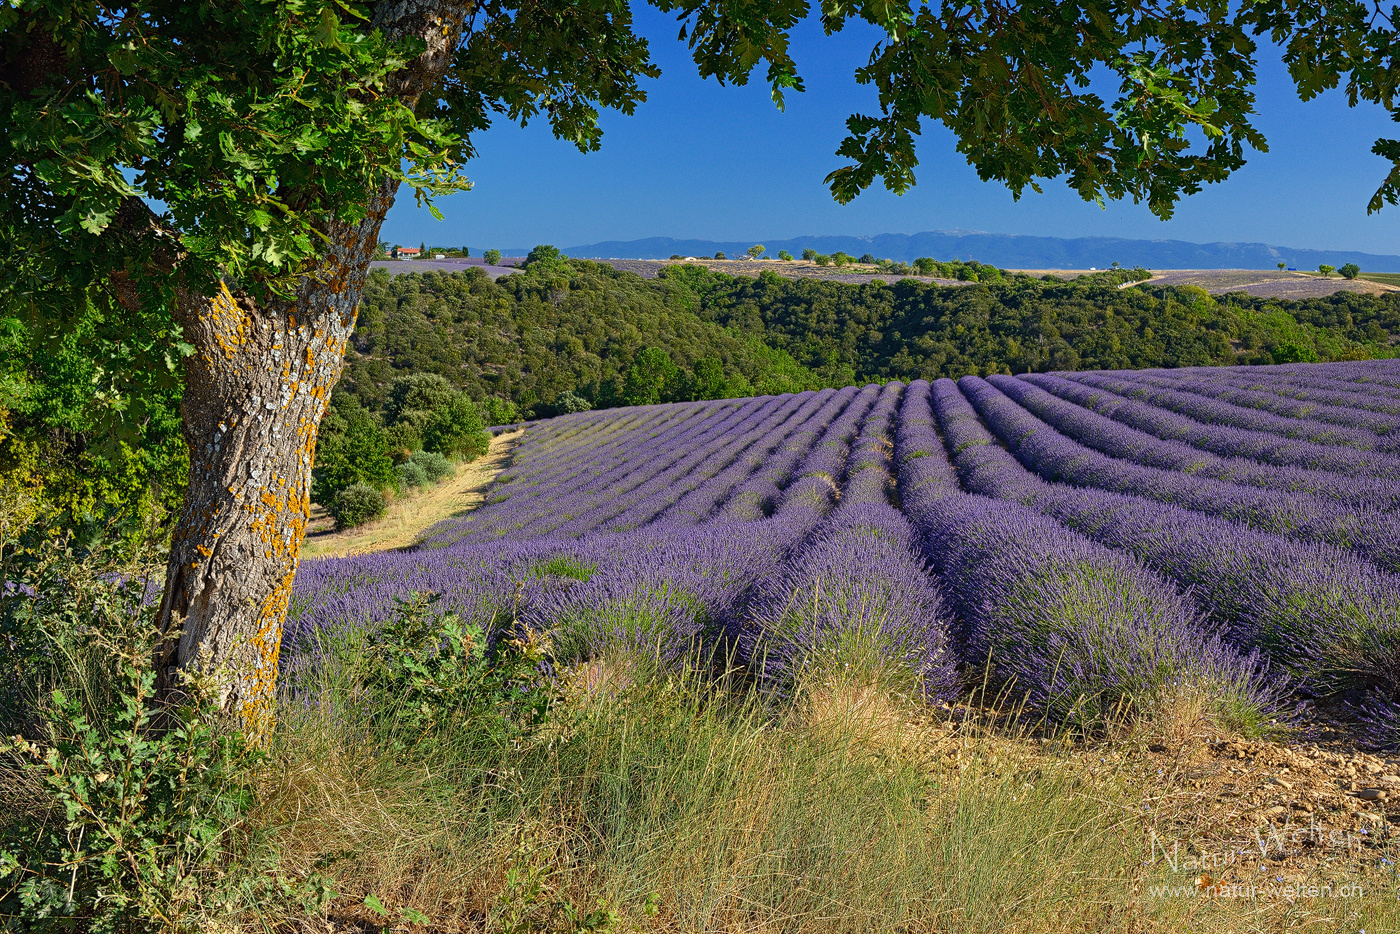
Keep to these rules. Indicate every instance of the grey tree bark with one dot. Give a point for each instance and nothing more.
(256, 388)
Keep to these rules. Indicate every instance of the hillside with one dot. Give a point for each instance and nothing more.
(1012, 251)
(582, 327)
(531, 337)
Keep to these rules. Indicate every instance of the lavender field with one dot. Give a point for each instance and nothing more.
(1093, 541)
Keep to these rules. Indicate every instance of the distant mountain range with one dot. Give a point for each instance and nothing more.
(1009, 251)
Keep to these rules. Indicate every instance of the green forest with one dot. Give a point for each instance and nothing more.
(436, 356)
(612, 338)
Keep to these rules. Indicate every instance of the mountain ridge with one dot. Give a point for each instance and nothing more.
(1010, 251)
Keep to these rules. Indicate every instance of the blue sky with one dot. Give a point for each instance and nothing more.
(701, 160)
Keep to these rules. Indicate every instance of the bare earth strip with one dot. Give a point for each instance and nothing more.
(409, 516)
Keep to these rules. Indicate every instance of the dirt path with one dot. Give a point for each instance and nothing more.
(409, 516)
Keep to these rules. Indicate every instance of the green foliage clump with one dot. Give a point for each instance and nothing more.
(355, 505)
(435, 467)
(785, 256)
(411, 476)
(1326, 270)
(122, 809)
(352, 448)
(456, 429)
(848, 333)
(492, 257)
(498, 411)
(433, 669)
(530, 337)
(568, 402)
(1350, 271)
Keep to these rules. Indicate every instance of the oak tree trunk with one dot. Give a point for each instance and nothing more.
(255, 390)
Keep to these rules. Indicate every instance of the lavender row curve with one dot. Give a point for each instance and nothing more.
(1079, 628)
(1327, 615)
(1114, 439)
(1374, 533)
(1222, 440)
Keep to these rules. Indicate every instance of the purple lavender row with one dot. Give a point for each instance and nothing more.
(1216, 412)
(757, 495)
(708, 462)
(555, 468)
(670, 606)
(522, 502)
(539, 471)
(652, 481)
(700, 501)
(1117, 440)
(1329, 616)
(869, 470)
(1372, 532)
(817, 482)
(854, 604)
(1292, 399)
(630, 468)
(1377, 372)
(1382, 428)
(1078, 628)
(664, 593)
(334, 597)
(1221, 440)
(1303, 388)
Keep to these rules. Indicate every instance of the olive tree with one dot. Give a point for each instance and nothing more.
(215, 175)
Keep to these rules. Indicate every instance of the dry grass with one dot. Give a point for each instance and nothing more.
(680, 805)
(407, 517)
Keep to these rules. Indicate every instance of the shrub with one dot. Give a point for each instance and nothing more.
(456, 429)
(675, 256)
(869, 259)
(719, 254)
(821, 259)
(352, 448)
(120, 814)
(434, 466)
(416, 392)
(492, 257)
(411, 475)
(356, 505)
(1350, 271)
(543, 253)
(785, 256)
(809, 254)
(498, 411)
(569, 401)
(403, 440)
(1326, 270)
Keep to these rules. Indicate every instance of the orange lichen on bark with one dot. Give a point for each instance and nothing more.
(228, 324)
(257, 708)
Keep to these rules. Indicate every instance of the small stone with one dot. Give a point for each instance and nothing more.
(1276, 810)
(1370, 794)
